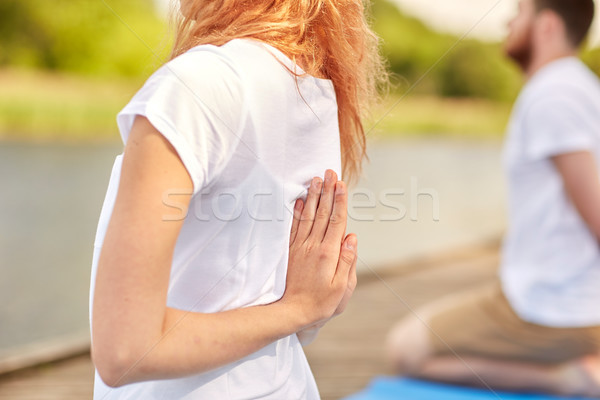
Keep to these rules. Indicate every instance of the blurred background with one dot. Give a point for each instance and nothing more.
(433, 184)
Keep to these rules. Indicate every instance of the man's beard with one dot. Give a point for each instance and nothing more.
(522, 53)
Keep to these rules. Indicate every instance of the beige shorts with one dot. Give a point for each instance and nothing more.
(482, 323)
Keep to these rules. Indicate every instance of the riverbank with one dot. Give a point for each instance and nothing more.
(42, 106)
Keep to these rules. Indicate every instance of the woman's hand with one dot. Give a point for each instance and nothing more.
(322, 262)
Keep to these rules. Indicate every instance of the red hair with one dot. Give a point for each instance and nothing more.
(328, 38)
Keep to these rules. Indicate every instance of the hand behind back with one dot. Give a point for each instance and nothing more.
(322, 262)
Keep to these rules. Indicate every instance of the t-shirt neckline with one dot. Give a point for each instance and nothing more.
(283, 58)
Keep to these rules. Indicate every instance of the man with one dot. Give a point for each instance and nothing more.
(539, 329)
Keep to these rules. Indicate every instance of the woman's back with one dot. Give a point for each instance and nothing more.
(251, 138)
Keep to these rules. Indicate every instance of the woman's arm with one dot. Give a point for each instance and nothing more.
(579, 172)
(136, 337)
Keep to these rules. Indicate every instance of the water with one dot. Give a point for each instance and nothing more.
(52, 195)
(50, 203)
(454, 196)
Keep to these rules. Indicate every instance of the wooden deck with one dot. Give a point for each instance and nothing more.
(349, 350)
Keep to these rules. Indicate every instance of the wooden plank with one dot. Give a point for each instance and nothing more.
(44, 351)
(71, 379)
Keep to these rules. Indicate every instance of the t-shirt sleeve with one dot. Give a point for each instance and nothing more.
(196, 102)
(557, 125)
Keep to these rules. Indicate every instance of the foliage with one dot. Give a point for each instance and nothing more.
(91, 37)
(87, 57)
(592, 59)
(113, 38)
(440, 63)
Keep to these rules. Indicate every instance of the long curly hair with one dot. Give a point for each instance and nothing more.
(328, 38)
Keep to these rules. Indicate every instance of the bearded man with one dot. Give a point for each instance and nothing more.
(538, 328)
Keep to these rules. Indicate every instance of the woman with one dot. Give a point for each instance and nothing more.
(198, 289)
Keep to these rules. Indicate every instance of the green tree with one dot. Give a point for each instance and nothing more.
(592, 59)
(474, 69)
(90, 37)
(416, 53)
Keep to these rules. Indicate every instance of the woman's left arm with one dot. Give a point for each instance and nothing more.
(580, 176)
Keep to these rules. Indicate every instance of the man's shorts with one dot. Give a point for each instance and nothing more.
(482, 323)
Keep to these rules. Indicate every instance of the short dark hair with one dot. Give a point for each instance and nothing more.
(577, 15)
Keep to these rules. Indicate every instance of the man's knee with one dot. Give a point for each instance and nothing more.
(408, 345)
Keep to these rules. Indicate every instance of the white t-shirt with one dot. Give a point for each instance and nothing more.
(551, 260)
(251, 143)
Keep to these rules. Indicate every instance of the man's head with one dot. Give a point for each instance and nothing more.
(548, 23)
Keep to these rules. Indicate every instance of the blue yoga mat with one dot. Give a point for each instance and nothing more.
(412, 389)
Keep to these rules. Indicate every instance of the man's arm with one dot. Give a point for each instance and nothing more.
(579, 172)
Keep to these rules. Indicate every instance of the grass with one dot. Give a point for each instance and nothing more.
(40, 106)
(43, 106)
(435, 116)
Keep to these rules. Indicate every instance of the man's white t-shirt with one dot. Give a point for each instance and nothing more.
(251, 139)
(551, 261)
